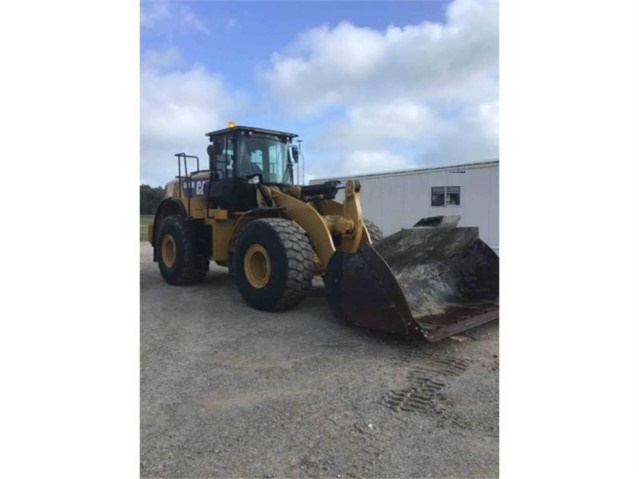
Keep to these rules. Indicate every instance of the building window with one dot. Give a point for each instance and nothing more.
(453, 195)
(445, 196)
(437, 196)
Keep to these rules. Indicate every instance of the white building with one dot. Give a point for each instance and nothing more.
(399, 199)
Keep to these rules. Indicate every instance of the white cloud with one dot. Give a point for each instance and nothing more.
(161, 59)
(169, 16)
(355, 162)
(473, 137)
(177, 108)
(398, 119)
(349, 64)
(366, 126)
(432, 86)
(190, 20)
(363, 161)
(153, 13)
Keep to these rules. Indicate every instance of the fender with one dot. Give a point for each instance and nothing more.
(168, 206)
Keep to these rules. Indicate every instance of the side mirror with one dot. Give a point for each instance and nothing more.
(296, 153)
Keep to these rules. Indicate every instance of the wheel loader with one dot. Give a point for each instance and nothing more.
(243, 211)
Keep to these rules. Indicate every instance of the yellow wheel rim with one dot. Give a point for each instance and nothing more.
(168, 250)
(257, 266)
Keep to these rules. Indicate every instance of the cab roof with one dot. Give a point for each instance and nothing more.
(250, 128)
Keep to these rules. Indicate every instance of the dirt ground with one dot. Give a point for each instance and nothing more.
(227, 391)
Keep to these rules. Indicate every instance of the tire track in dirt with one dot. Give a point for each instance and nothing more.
(428, 378)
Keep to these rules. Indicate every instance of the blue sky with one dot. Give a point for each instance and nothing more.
(369, 86)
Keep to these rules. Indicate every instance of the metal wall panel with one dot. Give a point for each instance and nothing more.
(399, 200)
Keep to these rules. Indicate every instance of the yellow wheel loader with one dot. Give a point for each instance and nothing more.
(244, 212)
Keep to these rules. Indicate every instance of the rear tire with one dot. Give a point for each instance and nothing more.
(177, 255)
(273, 264)
(374, 231)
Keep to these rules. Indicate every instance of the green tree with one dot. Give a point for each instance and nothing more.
(150, 198)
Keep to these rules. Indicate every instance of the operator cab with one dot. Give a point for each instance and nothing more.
(241, 158)
(246, 151)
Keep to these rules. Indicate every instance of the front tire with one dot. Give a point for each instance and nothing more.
(273, 264)
(178, 259)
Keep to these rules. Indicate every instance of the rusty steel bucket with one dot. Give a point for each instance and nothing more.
(426, 282)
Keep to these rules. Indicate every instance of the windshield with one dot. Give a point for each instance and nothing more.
(264, 154)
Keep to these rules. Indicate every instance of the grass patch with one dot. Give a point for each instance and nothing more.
(145, 220)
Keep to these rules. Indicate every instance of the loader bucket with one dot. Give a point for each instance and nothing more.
(430, 283)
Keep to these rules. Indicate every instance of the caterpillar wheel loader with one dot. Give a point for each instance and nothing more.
(244, 212)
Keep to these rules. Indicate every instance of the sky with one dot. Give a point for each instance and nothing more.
(370, 86)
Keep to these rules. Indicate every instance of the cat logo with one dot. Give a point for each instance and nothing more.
(196, 187)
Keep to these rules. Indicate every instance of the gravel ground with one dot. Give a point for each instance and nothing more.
(227, 391)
